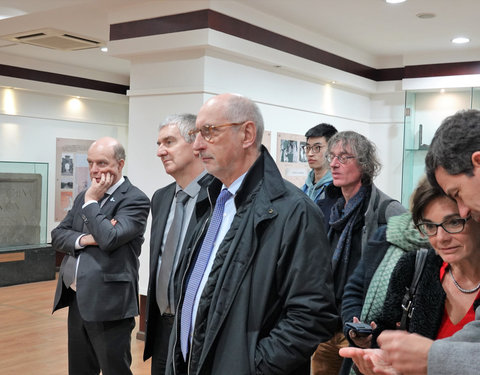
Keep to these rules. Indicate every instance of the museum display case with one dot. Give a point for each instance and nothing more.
(25, 255)
(424, 112)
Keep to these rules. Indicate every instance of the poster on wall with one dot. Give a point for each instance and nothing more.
(291, 158)
(71, 173)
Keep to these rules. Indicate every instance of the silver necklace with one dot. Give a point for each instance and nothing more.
(467, 291)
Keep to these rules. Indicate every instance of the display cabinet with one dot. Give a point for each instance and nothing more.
(23, 203)
(25, 255)
(424, 112)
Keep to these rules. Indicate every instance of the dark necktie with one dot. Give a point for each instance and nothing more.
(168, 255)
(199, 269)
(69, 270)
(103, 199)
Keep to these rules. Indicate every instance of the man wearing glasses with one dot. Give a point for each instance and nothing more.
(354, 208)
(453, 164)
(319, 176)
(256, 296)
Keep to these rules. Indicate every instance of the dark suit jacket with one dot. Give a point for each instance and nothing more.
(107, 274)
(161, 202)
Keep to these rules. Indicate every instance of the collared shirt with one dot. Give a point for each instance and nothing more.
(109, 191)
(228, 214)
(192, 191)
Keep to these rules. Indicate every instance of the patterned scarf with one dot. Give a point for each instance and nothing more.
(403, 237)
(345, 223)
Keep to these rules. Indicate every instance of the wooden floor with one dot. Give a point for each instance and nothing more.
(33, 341)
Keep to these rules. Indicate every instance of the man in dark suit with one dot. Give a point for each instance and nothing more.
(102, 237)
(176, 152)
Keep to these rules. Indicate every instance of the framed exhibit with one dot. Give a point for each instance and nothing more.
(71, 173)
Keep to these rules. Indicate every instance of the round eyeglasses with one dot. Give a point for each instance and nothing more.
(315, 148)
(452, 225)
(208, 132)
(343, 158)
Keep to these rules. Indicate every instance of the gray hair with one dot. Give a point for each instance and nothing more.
(118, 152)
(453, 144)
(364, 151)
(241, 109)
(185, 122)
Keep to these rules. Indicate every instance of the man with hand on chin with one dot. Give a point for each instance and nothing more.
(101, 236)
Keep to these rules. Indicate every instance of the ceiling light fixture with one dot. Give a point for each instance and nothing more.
(460, 40)
(104, 49)
(395, 1)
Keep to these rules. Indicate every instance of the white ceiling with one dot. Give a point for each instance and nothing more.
(386, 32)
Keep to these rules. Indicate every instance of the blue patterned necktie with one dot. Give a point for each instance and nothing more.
(199, 269)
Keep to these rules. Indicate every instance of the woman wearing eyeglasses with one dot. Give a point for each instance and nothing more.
(450, 282)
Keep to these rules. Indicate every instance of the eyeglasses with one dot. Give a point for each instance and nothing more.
(210, 131)
(315, 148)
(452, 225)
(343, 158)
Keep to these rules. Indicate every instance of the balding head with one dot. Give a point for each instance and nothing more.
(106, 155)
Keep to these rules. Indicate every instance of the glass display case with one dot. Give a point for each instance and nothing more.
(23, 204)
(424, 112)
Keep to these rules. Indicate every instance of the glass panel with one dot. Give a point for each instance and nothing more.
(424, 112)
(476, 98)
(23, 203)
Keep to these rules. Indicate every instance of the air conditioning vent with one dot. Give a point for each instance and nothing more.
(54, 39)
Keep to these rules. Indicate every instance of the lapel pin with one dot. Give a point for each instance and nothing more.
(112, 199)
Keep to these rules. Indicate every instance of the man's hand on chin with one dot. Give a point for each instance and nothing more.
(98, 188)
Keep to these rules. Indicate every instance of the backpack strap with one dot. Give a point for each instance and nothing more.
(409, 297)
(382, 219)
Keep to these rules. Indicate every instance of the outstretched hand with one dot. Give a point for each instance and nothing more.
(408, 352)
(370, 361)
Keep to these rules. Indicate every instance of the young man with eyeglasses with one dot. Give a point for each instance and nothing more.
(353, 208)
(257, 295)
(319, 176)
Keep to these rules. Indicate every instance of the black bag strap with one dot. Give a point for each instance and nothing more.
(409, 297)
(382, 219)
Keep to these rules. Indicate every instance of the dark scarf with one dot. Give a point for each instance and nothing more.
(343, 220)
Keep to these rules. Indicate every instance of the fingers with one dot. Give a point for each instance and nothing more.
(350, 352)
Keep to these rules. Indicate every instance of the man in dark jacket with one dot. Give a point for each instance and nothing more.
(102, 237)
(354, 208)
(172, 207)
(256, 296)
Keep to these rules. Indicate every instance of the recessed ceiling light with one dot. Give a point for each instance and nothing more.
(395, 1)
(104, 49)
(10, 12)
(460, 40)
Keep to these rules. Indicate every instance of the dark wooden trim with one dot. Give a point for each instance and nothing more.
(160, 25)
(446, 69)
(61, 79)
(208, 18)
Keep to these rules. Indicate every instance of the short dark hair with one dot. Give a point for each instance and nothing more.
(321, 130)
(453, 144)
(364, 151)
(421, 197)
